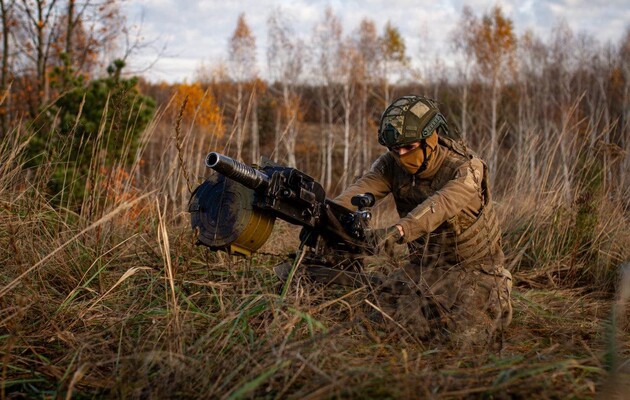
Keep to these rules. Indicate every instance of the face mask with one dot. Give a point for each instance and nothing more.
(412, 161)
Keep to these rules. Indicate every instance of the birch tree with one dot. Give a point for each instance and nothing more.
(532, 55)
(462, 40)
(368, 50)
(494, 44)
(285, 59)
(393, 51)
(242, 59)
(6, 8)
(349, 63)
(559, 81)
(327, 49)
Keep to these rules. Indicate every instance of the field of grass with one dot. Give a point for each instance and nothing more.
(113, 300)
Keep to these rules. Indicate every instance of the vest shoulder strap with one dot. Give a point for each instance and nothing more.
(455, 146)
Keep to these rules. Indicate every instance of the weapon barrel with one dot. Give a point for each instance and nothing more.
(243, 174)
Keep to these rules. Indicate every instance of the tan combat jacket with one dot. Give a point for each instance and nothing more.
(445, 211)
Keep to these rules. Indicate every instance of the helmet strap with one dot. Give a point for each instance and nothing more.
(425, 162)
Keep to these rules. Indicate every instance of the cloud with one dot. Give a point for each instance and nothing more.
(197, 31)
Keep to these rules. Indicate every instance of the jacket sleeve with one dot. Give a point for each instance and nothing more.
(375, 181)
(463, 191)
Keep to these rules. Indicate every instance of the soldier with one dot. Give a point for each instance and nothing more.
(454, 283)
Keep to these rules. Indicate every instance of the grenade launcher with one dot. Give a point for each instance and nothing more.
(235, 211)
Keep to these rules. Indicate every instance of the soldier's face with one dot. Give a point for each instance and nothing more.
(406, 149)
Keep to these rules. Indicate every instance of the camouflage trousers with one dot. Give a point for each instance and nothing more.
(469, 307)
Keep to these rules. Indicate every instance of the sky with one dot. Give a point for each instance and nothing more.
(177, 36)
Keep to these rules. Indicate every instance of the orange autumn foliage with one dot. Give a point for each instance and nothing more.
(494, 44)
(201, 107)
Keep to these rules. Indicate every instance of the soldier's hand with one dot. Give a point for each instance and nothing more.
(383, 239)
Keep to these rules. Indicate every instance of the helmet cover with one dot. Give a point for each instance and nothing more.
(409, 119)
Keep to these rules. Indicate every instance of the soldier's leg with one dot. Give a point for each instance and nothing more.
(469, 306)
(416, 299)
(483, 308)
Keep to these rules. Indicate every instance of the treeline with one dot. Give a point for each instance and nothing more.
(533, 107)
(522, 101)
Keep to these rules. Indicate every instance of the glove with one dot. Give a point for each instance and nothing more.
(382, 239)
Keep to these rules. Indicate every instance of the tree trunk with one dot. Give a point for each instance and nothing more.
(465, 111)
(278, 134)
(346, 134)
(330, 142)
(42, 86)
(5, 108)
(362, 136)
(69, 52)
(255, 134)
(290, 130)
(493, 132)
(70, 28)
(239, 121)
(386, 94)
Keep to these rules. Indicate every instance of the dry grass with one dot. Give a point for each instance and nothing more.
(119, 303)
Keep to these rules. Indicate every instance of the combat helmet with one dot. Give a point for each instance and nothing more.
(410, 119)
